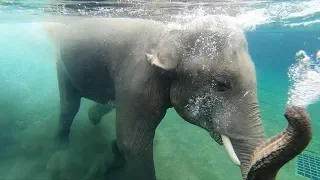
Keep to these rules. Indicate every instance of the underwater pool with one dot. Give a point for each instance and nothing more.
(29, 95)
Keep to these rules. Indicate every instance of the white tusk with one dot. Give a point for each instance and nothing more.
(227, 144)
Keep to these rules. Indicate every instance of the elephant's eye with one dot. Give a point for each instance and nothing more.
(222, 86)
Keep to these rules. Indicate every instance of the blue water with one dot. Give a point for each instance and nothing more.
(29, 104)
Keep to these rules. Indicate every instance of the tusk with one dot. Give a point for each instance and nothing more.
(227, 144)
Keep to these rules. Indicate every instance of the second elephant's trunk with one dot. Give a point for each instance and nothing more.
(270, 156)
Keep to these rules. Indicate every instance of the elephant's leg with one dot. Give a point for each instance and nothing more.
(69, 106)
(118, 164)
(97, 111)
(136, 123)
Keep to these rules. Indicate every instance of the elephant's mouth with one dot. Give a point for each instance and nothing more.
(217, 137)
(224, 140)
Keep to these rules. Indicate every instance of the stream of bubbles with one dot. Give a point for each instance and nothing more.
(304, 78)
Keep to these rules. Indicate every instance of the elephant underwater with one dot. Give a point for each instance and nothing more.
(143, 67)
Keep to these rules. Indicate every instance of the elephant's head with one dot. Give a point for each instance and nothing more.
(214, 84)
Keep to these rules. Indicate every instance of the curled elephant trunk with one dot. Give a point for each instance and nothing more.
(270, 156)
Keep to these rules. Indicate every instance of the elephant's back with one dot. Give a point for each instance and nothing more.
(84, 60)
(92, 50)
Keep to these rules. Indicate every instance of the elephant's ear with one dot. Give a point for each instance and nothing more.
(166, 55)
(164, 63)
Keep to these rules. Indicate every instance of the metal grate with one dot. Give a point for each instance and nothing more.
(308, 165)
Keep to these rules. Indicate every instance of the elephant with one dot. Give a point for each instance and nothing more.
(142, 67)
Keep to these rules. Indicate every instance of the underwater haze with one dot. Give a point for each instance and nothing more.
(29, 96)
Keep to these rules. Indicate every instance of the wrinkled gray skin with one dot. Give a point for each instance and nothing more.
(271, 155)
(204, 71)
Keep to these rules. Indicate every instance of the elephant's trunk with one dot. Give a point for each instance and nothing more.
(244, 148)
(270, 156)
(247, 134)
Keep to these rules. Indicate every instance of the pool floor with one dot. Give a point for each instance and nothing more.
(308, 165)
